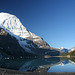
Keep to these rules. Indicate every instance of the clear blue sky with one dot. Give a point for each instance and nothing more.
(54, 20)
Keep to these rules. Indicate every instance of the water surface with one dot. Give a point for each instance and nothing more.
(39, 65)
(63, 67)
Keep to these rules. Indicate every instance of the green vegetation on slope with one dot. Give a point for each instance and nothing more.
(68, 54)
(72, 53)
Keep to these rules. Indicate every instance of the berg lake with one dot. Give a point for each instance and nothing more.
(53, 64)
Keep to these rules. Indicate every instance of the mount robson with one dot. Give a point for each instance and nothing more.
(17, 41)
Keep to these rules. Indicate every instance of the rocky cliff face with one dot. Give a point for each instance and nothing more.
(40, 42)
(9, 46)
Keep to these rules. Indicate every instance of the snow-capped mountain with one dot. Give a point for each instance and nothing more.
(14, 27)
(72, 49)
(67, 50)
(64, 49)
(11, 27)
(61, 48)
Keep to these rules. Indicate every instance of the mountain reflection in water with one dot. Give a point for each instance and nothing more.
(64, 66)
(37, 65)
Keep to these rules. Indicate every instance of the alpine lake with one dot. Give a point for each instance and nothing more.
(48, 65)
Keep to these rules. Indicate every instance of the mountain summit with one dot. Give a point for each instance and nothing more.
(28, 41)
(64, 49)
(13, 25)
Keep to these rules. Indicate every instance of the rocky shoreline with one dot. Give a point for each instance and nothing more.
(14, 72)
